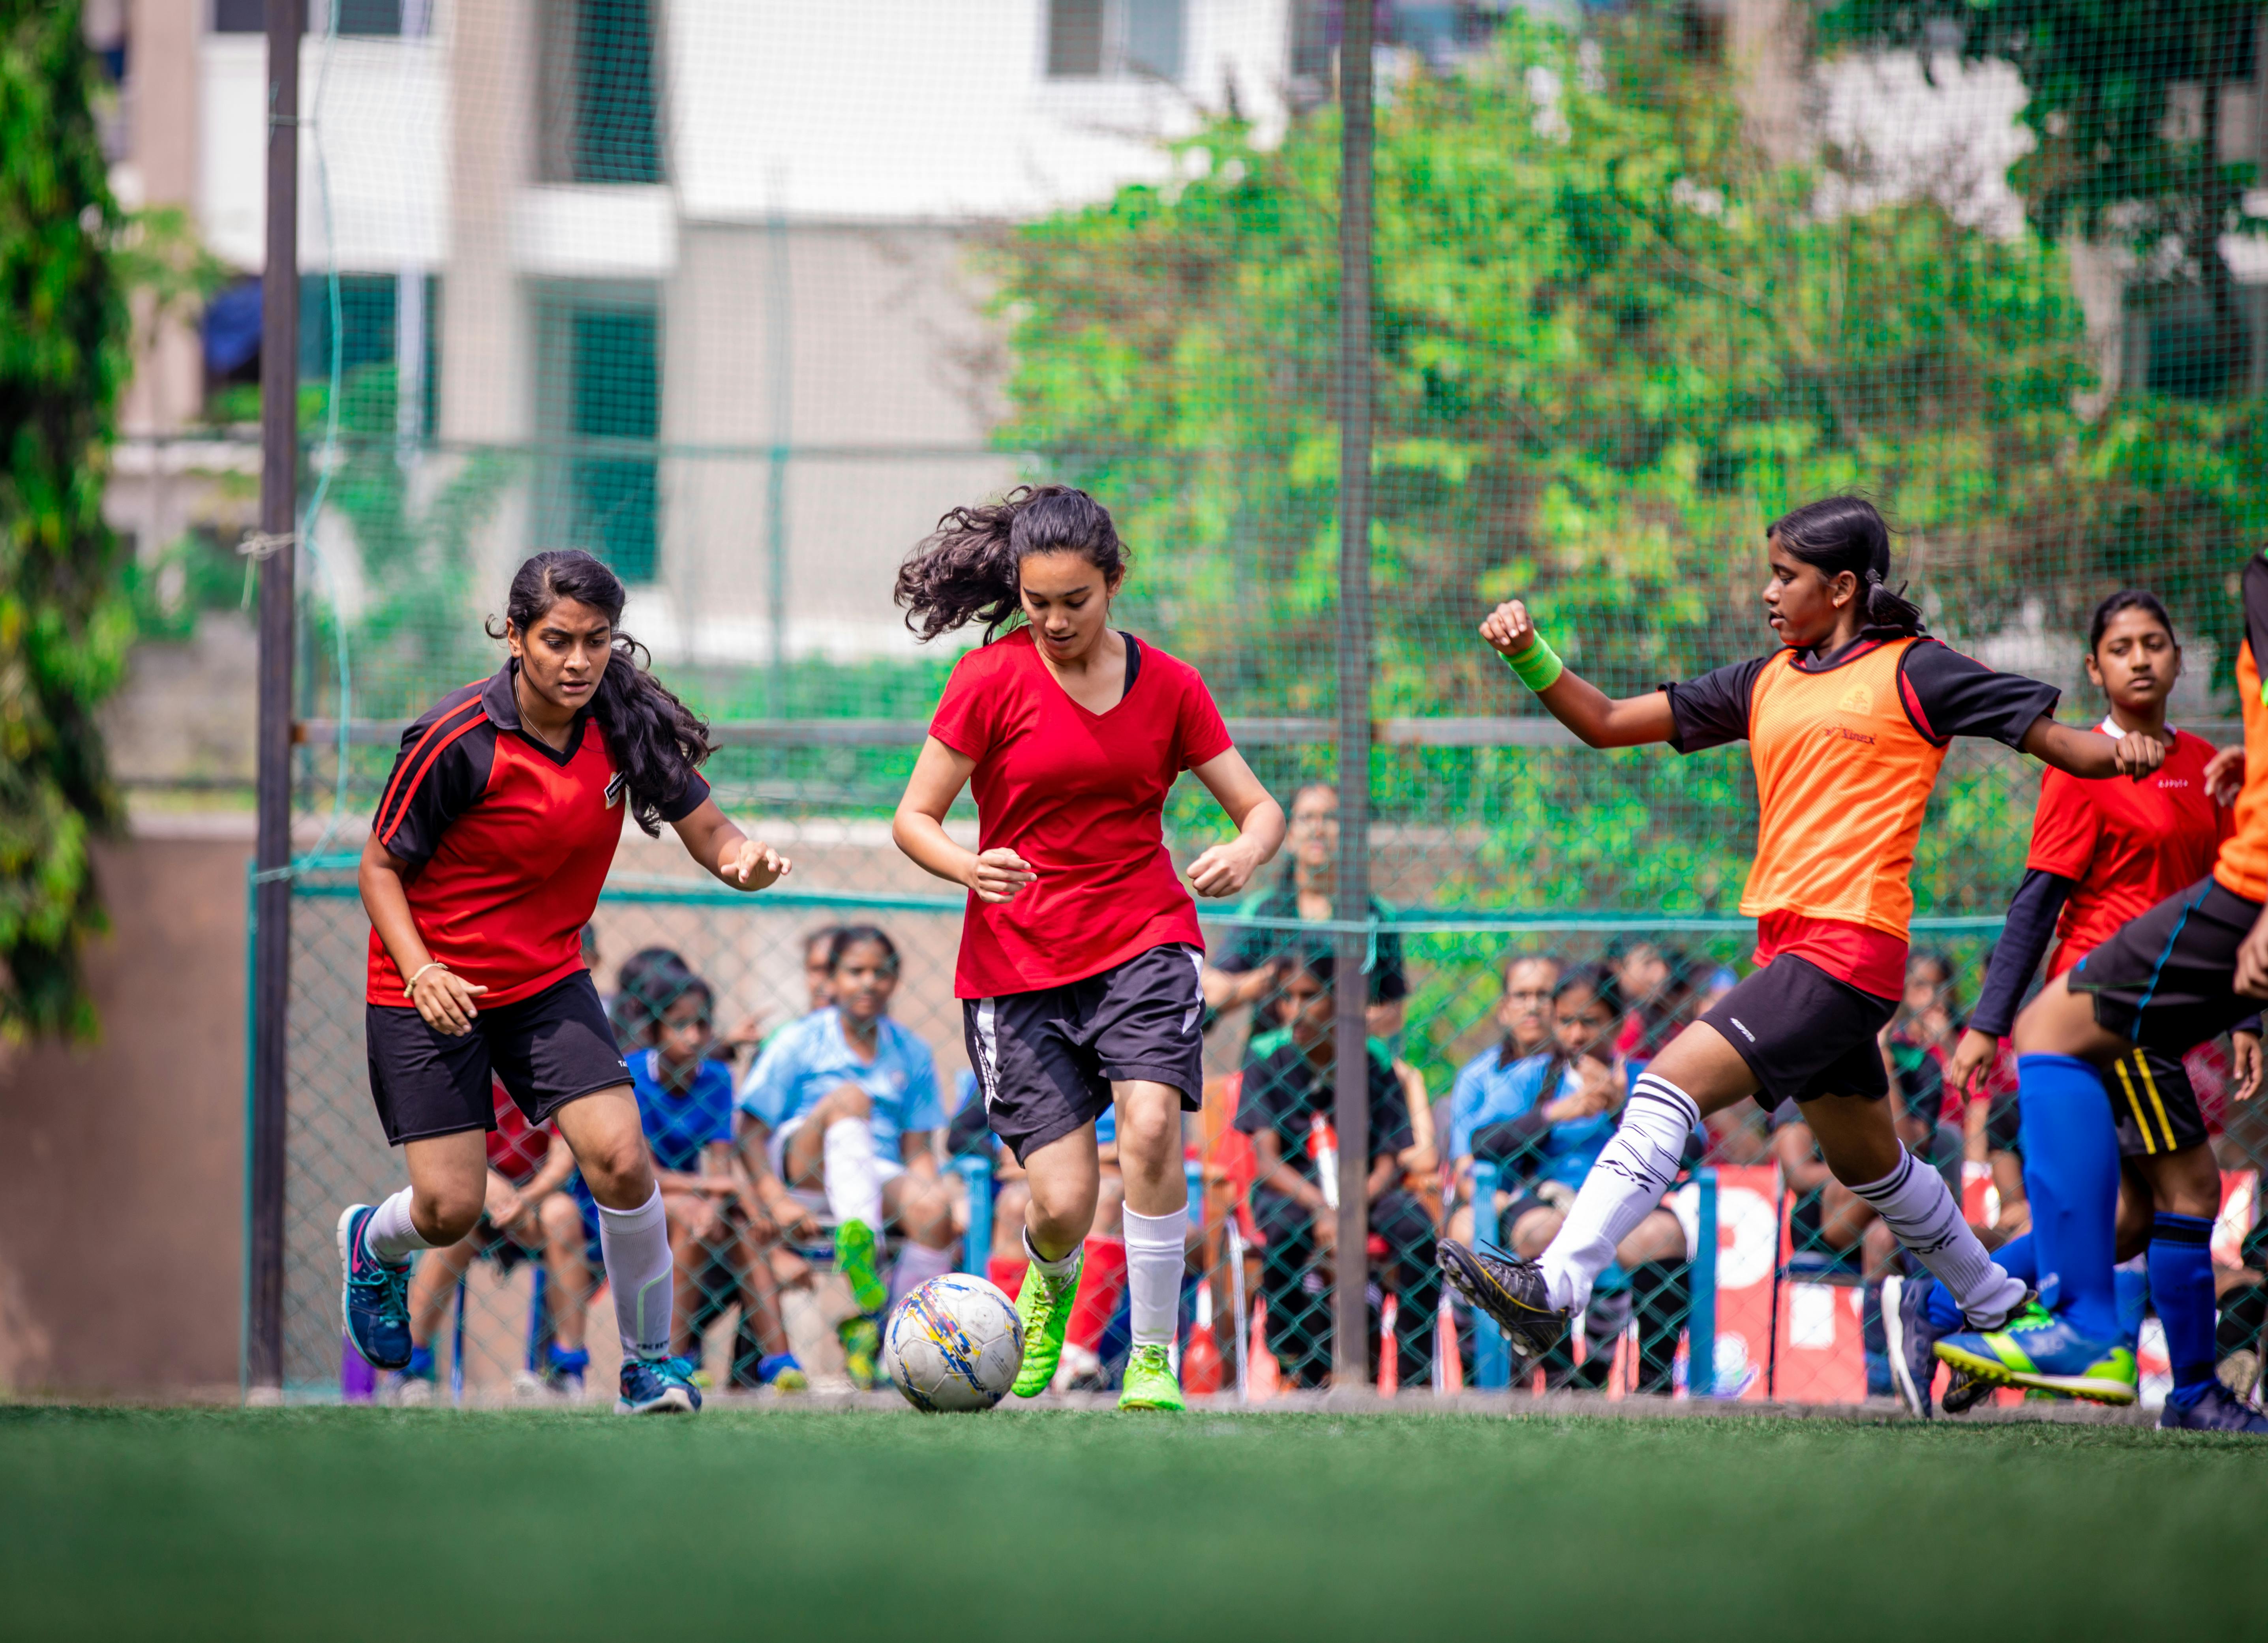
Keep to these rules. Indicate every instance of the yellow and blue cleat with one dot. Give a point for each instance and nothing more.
(2041, 1352)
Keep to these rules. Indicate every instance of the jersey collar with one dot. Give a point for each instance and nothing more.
(2117, 732)
(500, 703)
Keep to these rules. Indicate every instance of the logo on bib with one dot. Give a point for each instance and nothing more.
(1857, 699)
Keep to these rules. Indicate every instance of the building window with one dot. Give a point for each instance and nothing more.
(414, 17)
(1115, 38)
(370, 373)
(599, 383)
(600, 111)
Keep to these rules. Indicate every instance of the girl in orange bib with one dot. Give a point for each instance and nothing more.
(1847, 723)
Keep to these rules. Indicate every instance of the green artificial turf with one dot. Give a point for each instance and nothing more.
(335, 1524)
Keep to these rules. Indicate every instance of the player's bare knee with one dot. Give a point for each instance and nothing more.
(445, 1217)
(618, 1172)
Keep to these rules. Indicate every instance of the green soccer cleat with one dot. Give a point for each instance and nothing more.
(2037, 1351)
(1043, 1308)
(854, 1258)
(1150, 1383)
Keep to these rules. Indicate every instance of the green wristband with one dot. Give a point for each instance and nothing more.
(1538, 666)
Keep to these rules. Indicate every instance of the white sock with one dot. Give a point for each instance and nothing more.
(1058, 1272)
(916, 1266)
(1915, 1203)
(1155, 1257)
(1632, 1173)
(854, 1186)
(635, 1246)
(389, 1234)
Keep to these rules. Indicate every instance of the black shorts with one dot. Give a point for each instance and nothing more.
(2167, 979)
(2151, 1098)
(1804, 1033)
(1046, 1059)
(546, 1050)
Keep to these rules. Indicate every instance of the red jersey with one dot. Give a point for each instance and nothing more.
(1081, 797)
(2125, 845)
(510, 838)
(517, 1148)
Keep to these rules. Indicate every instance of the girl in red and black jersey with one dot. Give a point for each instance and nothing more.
(484, 864)
(1079, 950)
(1847, 725)
(2106, 1182)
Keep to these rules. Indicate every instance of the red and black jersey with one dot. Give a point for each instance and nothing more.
(510, 839)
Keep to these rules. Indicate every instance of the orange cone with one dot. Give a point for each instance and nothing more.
(1261, 1381)
(1390, 1348)
(1200, 1361)
(1448, 1366)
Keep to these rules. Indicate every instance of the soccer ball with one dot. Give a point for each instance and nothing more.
(955, 1346)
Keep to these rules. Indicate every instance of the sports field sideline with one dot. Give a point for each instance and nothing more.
(344, 1523)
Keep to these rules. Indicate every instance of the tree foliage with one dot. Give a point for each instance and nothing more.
(63, 626)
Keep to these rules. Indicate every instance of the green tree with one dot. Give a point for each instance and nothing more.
(2127, 105)
(63, 626)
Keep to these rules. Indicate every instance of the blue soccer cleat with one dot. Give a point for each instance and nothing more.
(564, 1371)
(373, 1297)
(2217, 1411)
(1912, 1339)
(658, 1386)
(2039, 1350)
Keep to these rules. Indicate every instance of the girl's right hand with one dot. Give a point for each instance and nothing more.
(997, 874)
(444, 1000)
(1509, 628)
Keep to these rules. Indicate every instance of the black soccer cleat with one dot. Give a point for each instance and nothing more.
(1512, 1292)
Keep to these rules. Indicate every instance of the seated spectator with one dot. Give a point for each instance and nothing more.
(645, 980)
(716, 1221)
(842, 1108)
(1253, 965)
(1656, 986)
(1917, 1048)
(1523, 1016)
(526, 1217)
(1544, 1120)
(1289, 1089)
(969, 1133)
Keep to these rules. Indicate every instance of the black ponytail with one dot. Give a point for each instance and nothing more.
(1839, 533)
(657, 742)
(965, 571)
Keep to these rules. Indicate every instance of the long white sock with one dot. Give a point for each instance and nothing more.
(389, 1234)
(1058, 1272)
(916, 1266)
(854, 1186)
(1915, 1203)
(635, 1246)
(1155, 1256)
(1632, 1173)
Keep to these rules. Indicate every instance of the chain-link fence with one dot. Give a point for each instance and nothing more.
(741, 298)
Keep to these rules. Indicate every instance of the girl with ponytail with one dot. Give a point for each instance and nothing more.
(1847, 722)
(1079, 950)
(484, 864)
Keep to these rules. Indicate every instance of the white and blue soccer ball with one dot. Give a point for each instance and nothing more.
(954, 1345)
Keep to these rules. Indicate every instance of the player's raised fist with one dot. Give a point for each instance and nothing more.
(1509, 628)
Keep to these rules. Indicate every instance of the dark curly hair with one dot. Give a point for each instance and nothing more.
(657, 742)
(965, 571)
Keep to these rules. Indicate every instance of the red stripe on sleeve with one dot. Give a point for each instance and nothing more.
(1913, 705)
(417, 777)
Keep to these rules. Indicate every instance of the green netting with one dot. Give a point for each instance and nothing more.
(741, 298)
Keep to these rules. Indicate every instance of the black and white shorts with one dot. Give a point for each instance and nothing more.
(546, 1050)
(2167, 979)
(1045, 1059)
(2151, 1097)
(1804, 1033)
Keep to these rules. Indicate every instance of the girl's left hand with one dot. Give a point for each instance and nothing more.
(1223, 870)
(749, 865)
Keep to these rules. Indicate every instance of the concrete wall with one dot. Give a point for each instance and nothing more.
(121, 1165)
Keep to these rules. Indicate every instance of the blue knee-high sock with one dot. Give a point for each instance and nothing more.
(2013, 1257)
(2181, 1283)
(2133, 1278)
(2071, 1176)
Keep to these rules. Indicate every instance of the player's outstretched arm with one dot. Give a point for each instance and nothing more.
(2091, 754)
(713, 841)
(1225, 869)
(1599, 719)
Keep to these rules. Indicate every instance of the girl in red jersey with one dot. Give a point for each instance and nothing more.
(2104, 854)
(1079, 951)
(1846, 725)
(484, 864)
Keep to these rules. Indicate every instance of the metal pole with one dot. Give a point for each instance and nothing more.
(1350, 1338)
(279, 460)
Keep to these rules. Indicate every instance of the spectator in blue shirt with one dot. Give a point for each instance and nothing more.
(843, 1104)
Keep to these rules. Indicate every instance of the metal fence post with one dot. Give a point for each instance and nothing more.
(1350, 903)
(278, 547)
(1701, 1314)
(1491, 1352)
